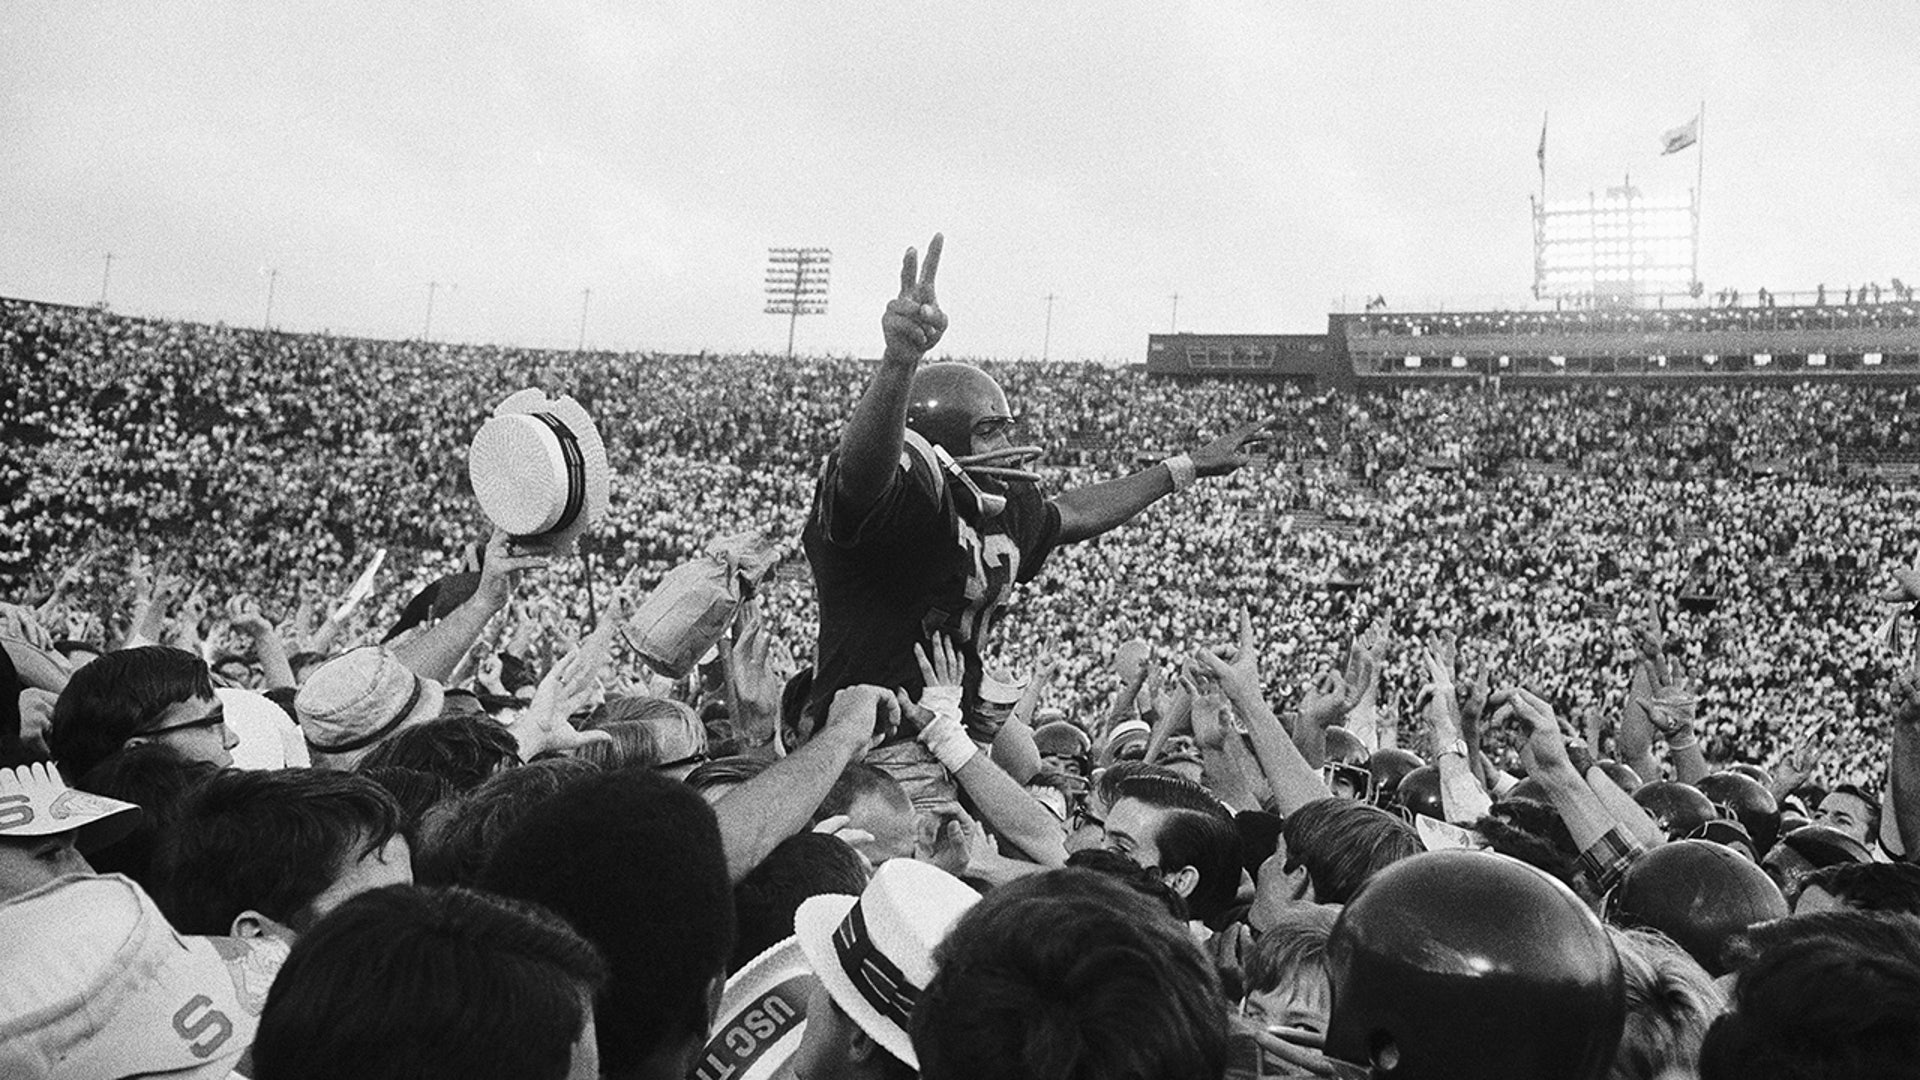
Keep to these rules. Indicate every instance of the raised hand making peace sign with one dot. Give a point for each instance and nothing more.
(914, 322)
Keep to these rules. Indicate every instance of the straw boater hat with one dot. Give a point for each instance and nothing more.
(874, 953)
(539, 470)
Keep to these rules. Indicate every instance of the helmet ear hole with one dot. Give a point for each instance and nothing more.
(1383, 1051)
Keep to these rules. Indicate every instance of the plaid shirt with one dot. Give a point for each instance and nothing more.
(1607, 860)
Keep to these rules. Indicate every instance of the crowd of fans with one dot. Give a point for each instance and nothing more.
(1572, 627)
(1870, 307)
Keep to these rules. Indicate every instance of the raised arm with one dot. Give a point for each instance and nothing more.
(779, 802)
(1903, 768)
(870, 444)
(436, 652)
(1088, 511)
(1294, 782)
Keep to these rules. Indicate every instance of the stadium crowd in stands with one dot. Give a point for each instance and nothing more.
(1621, 718)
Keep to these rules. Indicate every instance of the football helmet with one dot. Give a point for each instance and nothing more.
(1462, 963)
(961, 409)
(1739, 797)
(1677, 808)
(1389, 765)
(1418, 794)
(1346, 762)
(1698, 893)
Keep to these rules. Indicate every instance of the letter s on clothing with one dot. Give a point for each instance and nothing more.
(213, 1024)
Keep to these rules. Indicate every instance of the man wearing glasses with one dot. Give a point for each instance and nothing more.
(151, 694)
(925, 517)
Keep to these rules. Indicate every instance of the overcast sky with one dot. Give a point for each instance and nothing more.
(1266, 162)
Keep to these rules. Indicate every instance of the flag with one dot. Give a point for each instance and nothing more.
(1678, 139)
(1541, 153)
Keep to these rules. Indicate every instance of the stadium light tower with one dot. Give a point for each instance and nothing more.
(797, 284)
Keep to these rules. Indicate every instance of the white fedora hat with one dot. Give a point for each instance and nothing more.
(539, 469)
(874, 952)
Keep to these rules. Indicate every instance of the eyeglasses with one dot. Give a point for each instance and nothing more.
(216, 718)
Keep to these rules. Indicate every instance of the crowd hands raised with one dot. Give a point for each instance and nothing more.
(1229, 722)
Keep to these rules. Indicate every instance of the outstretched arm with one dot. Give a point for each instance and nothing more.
(870, 445)
(1903, 769)
(1089, 511)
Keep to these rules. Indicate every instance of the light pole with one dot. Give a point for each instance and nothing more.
(797, 284)
(586, 295)
(1046, 343)
(106, 276)
(273, 276)
(1173, 327)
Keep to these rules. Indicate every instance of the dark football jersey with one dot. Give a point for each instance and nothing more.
(911, 566)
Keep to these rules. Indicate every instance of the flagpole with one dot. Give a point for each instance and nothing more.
(1699, 180)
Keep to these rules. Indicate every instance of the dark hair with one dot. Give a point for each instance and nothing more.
(1070, 974)
(724, 771)
(457, 836)
(1211, 845)
(1835, 994)
(1865, 796)
(416, 790)
(116, 697)
(1343, 844)
(1107, 785)
(467, 986)
(803, 865)
(1170, 792)
(1506, 837)
(1145, 880)
(634, 861)
(463, 750)
(270, 842)
(1892, 887)
(857, 781)
(12, 751)
(156, 778)
(305, 658)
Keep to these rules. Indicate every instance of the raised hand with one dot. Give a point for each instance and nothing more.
(757, 667)
(940, 663)
(502, 569)
(862, 712)
(243, 614)
(1209, 719)
(1546, 736)
(1906, 697)
(566, 689)
(1905, 588)
(1232, 450)
(913, 322)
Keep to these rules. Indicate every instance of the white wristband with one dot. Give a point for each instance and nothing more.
(1180, 466)
(944, 736)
